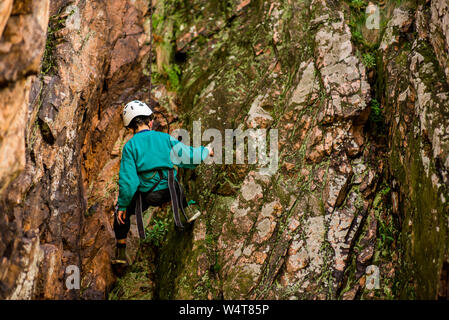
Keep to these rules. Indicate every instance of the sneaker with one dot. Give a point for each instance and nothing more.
(121, 257)
(192, 213)
(195, 216)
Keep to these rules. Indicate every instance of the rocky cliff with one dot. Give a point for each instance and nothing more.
(360, 192)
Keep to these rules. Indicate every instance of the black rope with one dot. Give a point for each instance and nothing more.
(151, 42)
(166, 120)
(150, 58)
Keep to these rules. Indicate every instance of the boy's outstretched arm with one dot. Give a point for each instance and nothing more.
(188, 157)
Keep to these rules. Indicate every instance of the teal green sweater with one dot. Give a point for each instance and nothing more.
(149, 150)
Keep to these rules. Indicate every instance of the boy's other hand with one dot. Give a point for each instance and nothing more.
(211, 151)
(121, 216)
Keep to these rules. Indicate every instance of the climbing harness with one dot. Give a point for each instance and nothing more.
(176, 196)
(176, 199)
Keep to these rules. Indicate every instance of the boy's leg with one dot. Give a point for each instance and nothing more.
(121, 232)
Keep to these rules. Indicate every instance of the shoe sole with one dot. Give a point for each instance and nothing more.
(195, 216)
(118, 262)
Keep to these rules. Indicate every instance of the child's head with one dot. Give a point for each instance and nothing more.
(135, 114)
(139, 121)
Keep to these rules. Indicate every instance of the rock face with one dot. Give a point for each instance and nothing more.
(22, 29)
(355, 207)
(417, 96)
(285, 235)
(58, 131)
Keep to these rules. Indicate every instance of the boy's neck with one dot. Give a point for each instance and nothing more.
(141, 128)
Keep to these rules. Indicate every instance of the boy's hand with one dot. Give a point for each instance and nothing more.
(211, 151)
(121, 216)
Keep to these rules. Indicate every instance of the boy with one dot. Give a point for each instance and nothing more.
(145, 170)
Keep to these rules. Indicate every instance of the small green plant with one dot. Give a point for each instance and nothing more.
(386, 190)
(386, 227)
(358, 36)
(157, 20)
(357, 4)
(173, 73)
(369, 60)
(56, 23)
(156, 77)
(133, 286)
(210, 239)
(217, 267)
(376, 111)
(156, 233)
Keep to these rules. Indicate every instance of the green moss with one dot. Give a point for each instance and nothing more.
(424, 246)
(238, 284)
(134, 286)
(172, 261)
(56, 23)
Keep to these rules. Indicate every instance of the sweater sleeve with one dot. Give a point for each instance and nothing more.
(185, 156)
(128, 179)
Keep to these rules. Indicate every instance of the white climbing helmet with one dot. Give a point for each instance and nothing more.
(133, 109)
